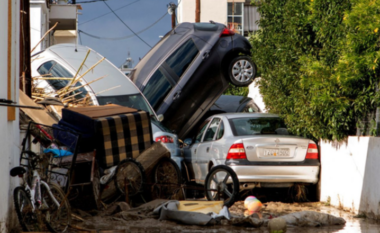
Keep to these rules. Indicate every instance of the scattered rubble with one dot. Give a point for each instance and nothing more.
(118, 217)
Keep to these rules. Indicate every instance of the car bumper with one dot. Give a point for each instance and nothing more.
(277, 174)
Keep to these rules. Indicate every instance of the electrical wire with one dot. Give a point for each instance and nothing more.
(127, 25)
(124, 37)
(108, 12)
(92, 1)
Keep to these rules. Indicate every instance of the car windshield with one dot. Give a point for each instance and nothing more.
(60, 78)
(258, 126)
(133, 101)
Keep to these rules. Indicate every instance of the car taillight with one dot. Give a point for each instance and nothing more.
(236, 151)
(164, 139)
(312, 151)
(227, 32)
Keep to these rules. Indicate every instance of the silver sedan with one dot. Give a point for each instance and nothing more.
(257, 146)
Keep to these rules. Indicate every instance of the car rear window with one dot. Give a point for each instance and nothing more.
(205, 27)
(258, 126)
(251, 107)
(182, 57)
(160, 126)
(156, 89)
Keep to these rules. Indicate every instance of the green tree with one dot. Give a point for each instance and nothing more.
(318, 62)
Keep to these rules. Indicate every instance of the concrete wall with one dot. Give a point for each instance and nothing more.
(215, 10)
(9, 137)
(350, 174)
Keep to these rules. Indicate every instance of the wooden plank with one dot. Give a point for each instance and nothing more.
(151, 156)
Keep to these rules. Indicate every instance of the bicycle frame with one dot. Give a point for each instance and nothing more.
(35, 190)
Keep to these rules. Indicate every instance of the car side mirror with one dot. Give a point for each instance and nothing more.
(187, 142)
(160, 118)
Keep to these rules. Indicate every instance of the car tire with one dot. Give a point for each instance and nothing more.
(241, 71)
(229, 192)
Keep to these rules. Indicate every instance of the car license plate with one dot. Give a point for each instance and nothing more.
(276, 152)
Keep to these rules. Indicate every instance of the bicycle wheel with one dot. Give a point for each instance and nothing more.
(222, 184)
(129, 177)
(29, 220)
(57, 218)
(167, 179)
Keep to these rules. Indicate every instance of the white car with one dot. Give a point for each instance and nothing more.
(64, 60)
(256, 146)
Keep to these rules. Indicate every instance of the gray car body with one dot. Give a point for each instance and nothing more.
(202, 81)
(201, 156)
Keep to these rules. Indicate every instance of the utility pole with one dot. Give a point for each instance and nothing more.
(25, 72)
(197, 11)
(173, 19)
(171, 10)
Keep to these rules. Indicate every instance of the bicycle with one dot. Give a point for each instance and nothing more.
(39, 206)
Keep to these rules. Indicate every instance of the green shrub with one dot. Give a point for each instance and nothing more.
(318, 62)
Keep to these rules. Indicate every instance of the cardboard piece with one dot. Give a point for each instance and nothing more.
(201, 206)
(38, 116)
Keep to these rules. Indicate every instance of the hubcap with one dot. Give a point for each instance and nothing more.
(242, 71)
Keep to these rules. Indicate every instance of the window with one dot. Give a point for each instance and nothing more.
(252, 126)
(54, 69)
(210, 133)
(201, 130)
(182, 57)
(251, 107)
(235, 14)
(251, 18)
(156, 89)
(220, 132)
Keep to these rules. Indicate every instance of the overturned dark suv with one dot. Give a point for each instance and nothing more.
(187, 70)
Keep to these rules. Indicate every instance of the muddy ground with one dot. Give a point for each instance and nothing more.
(120, 217)
(141, 220)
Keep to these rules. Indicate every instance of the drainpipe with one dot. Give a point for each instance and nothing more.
(25, 72)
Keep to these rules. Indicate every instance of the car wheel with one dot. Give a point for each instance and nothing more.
(218, 187)
(241, 71)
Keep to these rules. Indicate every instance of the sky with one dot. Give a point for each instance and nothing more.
(97, 19)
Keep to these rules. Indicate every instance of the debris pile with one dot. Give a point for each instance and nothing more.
(165, 215)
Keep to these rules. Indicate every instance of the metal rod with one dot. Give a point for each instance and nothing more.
(22, 106)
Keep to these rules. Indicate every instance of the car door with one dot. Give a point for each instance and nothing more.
(180, 66)
(190, 152)
(205, 155)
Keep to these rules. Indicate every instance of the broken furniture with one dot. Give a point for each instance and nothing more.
(122, 137)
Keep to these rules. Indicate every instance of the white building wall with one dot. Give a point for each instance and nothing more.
(38, 24)
(254, 93)
(349, 176)
(9, 137)
(215, 10)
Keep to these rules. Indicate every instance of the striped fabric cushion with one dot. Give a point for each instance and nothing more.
(122, 136)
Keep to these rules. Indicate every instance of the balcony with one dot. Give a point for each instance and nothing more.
(65, 14)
